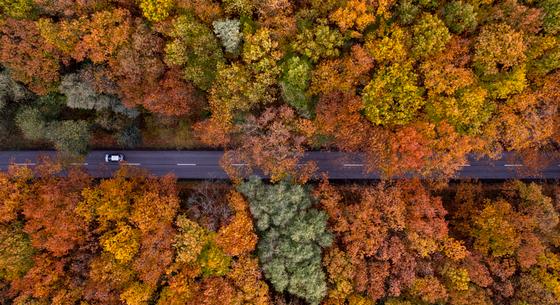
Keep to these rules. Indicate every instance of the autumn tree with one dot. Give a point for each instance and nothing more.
(389, 44)
(393, 96)
(353, 15)
(279, 17)
(156, 10)
(429, 36)
(342, 74)
(30, 59)
(494, 54)
(274, 143)
(12, 91)
(241, 87)
(97, 38)
(291, 237)
(16, 256)
(386, 235)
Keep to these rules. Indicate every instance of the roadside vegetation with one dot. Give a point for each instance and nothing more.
(416, 86)
(136, 239)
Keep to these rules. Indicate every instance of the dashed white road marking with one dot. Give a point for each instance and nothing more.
(465, 165)
(513, 165)
(353, 165)
(186, 164)
(79, 164)
(24, 164)
(239, 164)
(131, 164)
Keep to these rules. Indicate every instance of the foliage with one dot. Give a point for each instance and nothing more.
(69, 136)
(468, 111)
(156, 10)
(460, 17)
(19, 9)
(239, 7)
(275, 144)
(228, 32)
(123, 243)
(11, 91)
(81, 95)
(296, 75)
(392, 46)
(291, 237)
(393, 96)
(29, 59)
(551, 23)
(196, 49)
(97, 37)
(30, 122)
(16, 254)
(354, 15)
(318, 42)
(429, 36)
(494, 54)
(129, 137)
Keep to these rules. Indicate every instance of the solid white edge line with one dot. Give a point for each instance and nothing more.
(24, 164)
(186, 164)
(513, 165)
(79, 164)
(353, 165)
(132, 164)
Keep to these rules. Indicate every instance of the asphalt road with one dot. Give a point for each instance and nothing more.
(205, 164)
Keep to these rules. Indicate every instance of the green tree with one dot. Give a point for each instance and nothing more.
(407, 11)
(296, 75)
(129, 137)
(429, 36)
(319, 42)
(292, 235)
(16, 252)
(393, 96)
(460, 17)
(31, 123)
(551, 19)
(69, 136)
(467, 110)
(195, 48)
(19, 9)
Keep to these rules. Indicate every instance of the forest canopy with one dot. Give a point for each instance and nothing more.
(414, 85)
(136, 239)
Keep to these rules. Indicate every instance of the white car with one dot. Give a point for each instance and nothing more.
(114, 157)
